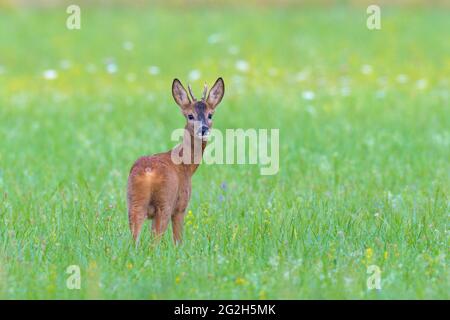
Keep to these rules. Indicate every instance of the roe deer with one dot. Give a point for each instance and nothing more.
(158, 187)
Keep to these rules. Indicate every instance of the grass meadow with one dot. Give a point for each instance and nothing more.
(364, 152)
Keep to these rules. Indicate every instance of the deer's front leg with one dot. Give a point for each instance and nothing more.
(177, 227)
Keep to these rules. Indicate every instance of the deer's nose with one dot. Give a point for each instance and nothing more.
(204, 130)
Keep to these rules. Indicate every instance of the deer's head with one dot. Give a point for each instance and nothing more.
(198, 113)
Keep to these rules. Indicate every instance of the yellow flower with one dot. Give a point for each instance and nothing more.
(240, 281)
(295, 233)
(262, 295)
(234, 232)
(369, 253)
(177, 280)
(386, 255)
(129, 266)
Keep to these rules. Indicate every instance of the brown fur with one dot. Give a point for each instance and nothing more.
(158, 188)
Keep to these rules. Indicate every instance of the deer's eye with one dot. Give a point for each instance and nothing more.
(210, 116)
(190, 117)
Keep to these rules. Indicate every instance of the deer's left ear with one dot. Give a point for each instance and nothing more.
(216, 93)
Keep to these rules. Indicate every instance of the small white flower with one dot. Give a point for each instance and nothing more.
(402, 78)
(421, 84)
(214, 38)
(273, 72)
(153, 70)
(380, 94)
(233, 50)
(345, 91)
(221, 259)
(308, 95)
(311, 110)
(128, 45)
(239, 83)
(65, 64)
(242, 65)
(302, 76)
(194, 75)
(111, 67)
(348, 281)
(50, 74)
(274, 261)
(366, 69)
(369, 141)
(131, 77)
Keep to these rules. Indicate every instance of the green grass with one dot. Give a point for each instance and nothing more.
(364, 166)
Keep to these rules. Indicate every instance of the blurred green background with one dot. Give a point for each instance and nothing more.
(364, 148)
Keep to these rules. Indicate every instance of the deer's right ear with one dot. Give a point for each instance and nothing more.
(179, 94)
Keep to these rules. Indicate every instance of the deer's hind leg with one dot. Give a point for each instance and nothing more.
(161, 221)
(177, 227)
(138, 208)
(136, 216)
(163, 203)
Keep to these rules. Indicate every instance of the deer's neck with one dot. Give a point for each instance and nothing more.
(195, 147)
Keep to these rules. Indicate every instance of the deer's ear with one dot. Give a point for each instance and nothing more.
(179, 94)
(216, 93)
